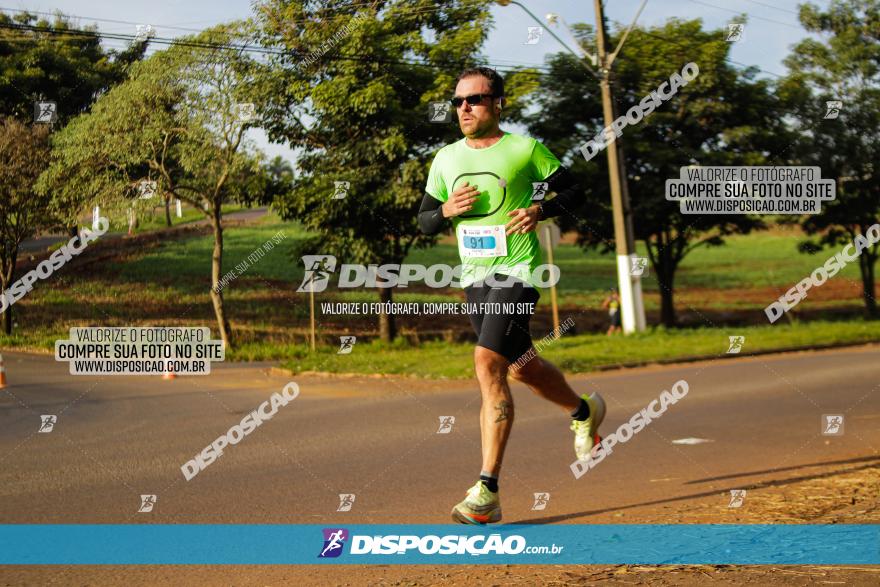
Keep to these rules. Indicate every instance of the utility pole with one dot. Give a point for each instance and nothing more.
(629, 286)
(631, 305)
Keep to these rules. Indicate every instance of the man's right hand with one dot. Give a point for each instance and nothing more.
(461, 201)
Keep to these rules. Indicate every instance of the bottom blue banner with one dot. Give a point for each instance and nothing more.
(232, 544)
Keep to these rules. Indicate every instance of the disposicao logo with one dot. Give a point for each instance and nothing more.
(475, 545)
(334, 539)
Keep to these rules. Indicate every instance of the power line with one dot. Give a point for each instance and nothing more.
(255, 49)
(773, 7)
(247, 48)
(91, 18)
(507, 67)
(125, 37)
(420, 11)
(746, 13)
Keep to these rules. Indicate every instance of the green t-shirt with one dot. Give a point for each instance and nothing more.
(504, 172)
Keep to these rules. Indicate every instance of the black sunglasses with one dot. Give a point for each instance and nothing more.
(473, 100)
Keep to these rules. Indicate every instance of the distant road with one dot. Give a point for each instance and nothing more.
(45, 241)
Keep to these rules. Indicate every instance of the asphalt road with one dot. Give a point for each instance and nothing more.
(376, 437)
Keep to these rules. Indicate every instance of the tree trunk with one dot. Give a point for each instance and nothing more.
(665, 281)
(667, 308)
(8, 275)
(216, 268)
(7, 320)
(387, 328)
(168, 211)
(866, 268)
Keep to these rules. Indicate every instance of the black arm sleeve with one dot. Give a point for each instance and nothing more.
(431, 219)
(568, 194)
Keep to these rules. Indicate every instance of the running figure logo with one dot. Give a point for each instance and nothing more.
(146, 189)
(334, 540)
(48, 423)
(735, 32)
(539, 190)
(318, 270)
(144, 32)
(439, 112)
(45, 112)
(446, 423)
(246, 111)
(638, 265)
(340, 189)
(832, 424)
(736, 344)
(346, 500)
(832, 109)
(535, 33)
(541, 500)
(346, 345)
(737, 497)
(147, 503)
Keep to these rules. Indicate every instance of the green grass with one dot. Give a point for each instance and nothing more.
(760, 260)
(581, 353)
(189, 259)
(168, 284)
(154, 218)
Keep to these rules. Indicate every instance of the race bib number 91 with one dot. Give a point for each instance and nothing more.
(482, 241)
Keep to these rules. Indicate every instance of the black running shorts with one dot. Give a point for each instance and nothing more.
(615, 318)
(506, 333)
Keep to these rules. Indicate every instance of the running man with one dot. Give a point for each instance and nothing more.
(483, 185)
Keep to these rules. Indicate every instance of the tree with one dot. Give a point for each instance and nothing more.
(353, 98)
(24, 150)
(723, 117)
(42, 61)
(176, 122)
(841, 63)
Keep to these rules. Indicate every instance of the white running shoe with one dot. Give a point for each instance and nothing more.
(586, 432)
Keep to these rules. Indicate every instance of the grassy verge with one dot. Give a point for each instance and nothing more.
(573, 354)
(167, 283)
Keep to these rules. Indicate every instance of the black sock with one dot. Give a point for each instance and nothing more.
(490, 482)
(582, 412)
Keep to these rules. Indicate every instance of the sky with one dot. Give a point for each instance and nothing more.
(772, 26)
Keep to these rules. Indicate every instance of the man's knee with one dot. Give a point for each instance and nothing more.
(489, 365)
(529, 369)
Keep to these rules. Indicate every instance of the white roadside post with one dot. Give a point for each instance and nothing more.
(549, 235)
(312, 315)
(179, 208)
(629, 282)
(630, 285)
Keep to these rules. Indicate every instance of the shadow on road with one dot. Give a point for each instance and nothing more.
(871, 461)
(780, 469)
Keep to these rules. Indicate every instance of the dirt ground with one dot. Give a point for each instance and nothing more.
(837, 498)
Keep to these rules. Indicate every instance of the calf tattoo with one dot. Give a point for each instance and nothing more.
(504, 410)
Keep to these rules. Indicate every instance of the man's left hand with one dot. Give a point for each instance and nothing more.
(524, 220)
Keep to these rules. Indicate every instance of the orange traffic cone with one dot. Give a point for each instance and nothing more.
(2, 373)
(168, 374)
